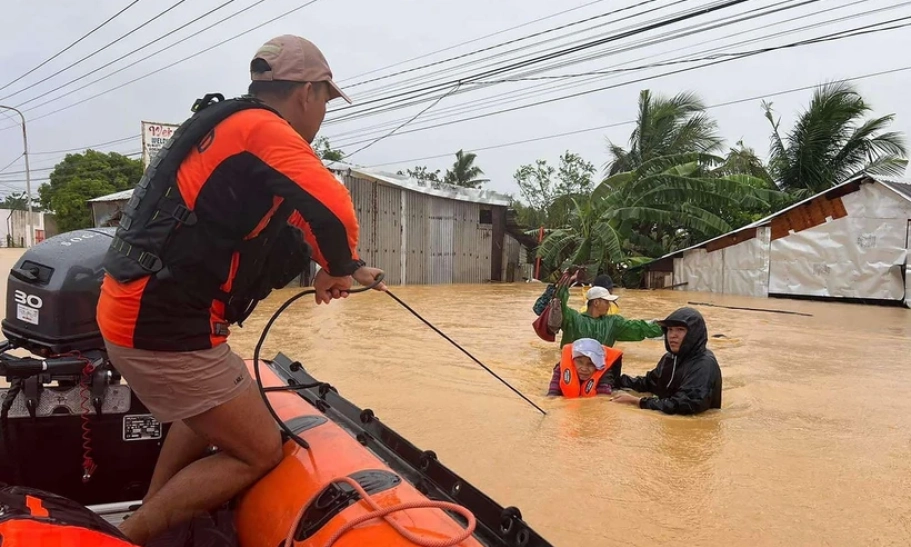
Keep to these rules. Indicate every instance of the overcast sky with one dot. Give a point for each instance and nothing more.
(362, 38)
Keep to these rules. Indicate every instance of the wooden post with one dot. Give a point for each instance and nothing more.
(498, 216)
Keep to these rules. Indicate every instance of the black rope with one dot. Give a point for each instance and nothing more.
(438, 331)
(750, 309)
(15, 387)
(283, 307)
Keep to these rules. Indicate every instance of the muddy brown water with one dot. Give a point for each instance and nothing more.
(812, 445)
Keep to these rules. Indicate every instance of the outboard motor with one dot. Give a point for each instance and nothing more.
(68, 424)
(52, 293)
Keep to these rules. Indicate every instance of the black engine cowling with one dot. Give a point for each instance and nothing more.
(53, 291)
(50, 310)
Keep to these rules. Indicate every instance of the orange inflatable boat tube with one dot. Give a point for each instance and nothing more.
(315, 495)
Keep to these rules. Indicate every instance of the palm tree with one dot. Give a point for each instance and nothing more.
(831, 143)
(463, 172)
(667, 203)
(665, 127)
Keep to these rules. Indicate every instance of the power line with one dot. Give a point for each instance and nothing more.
(694, 13)
(631, 122)
(80, 173)
(560, 51)
(425, 55)
(64, 50)
(10, 164)
(404, 124)
(97, 51)
(414, 96)
(496, 61)
(639, 80)
(568, 133)
(528, 92)
(51, 168)
(134, 80)
(149, 56)
(98, 144)
(664, 38)
(502, 44)
(140, 48)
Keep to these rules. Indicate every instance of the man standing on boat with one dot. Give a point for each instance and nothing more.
(687, 379)
(218, 221)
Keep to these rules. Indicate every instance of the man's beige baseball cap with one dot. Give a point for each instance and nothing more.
(295, 59)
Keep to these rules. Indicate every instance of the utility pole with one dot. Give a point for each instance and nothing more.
(28, 178)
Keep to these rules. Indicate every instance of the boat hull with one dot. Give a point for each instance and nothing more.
(265, 514)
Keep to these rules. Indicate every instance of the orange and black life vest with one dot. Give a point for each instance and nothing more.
(159, 234)
(32, 518)
(570, 385)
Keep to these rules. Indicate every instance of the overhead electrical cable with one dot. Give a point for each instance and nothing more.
(600, 127)
(639, 80)
(125, 55)
(509, 42)
(175, 63)
(622, 48)
(473, 40)
(67, 48)
(631, 122)
(96, 52)
(529, 92)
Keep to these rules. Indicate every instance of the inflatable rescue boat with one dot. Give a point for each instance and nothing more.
(70, 427)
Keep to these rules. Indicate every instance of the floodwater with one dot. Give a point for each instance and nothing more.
(812, 445)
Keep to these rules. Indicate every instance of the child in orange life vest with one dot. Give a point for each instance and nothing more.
(586, 369)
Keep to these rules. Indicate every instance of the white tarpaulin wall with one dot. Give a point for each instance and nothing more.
(701, 271)
(908, 267)
(861, 255)
(739, 269)
(746, 265)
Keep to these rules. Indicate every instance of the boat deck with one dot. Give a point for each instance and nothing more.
(216, 529)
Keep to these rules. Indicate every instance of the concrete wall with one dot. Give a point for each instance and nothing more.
(14, 227)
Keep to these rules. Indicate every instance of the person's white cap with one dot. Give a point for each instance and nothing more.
(601, 292)
(590, 348)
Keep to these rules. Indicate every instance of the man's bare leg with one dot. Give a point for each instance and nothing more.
(251, 446)
(181, 448)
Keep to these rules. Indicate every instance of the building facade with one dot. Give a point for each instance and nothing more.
(850, 242)
(416, 232)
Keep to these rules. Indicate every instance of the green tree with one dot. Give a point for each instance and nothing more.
(422, 173)
(18, 201)
(742, 160)
(325, 151)
(81, 177)
(464, 172)
(665, 127)
(548, 192)
(667, 203)
(832, 143)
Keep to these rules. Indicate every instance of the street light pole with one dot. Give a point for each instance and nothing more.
(28, 178)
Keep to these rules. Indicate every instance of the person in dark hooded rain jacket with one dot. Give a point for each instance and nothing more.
(687, 379)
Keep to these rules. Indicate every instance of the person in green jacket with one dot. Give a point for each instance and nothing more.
(598, 323)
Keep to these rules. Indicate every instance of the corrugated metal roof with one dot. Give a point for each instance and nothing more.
(488, 197)
(444, 190)
(899, 185)
(116, 196)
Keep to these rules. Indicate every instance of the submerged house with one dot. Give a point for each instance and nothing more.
(850, 242)
(418, 233)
